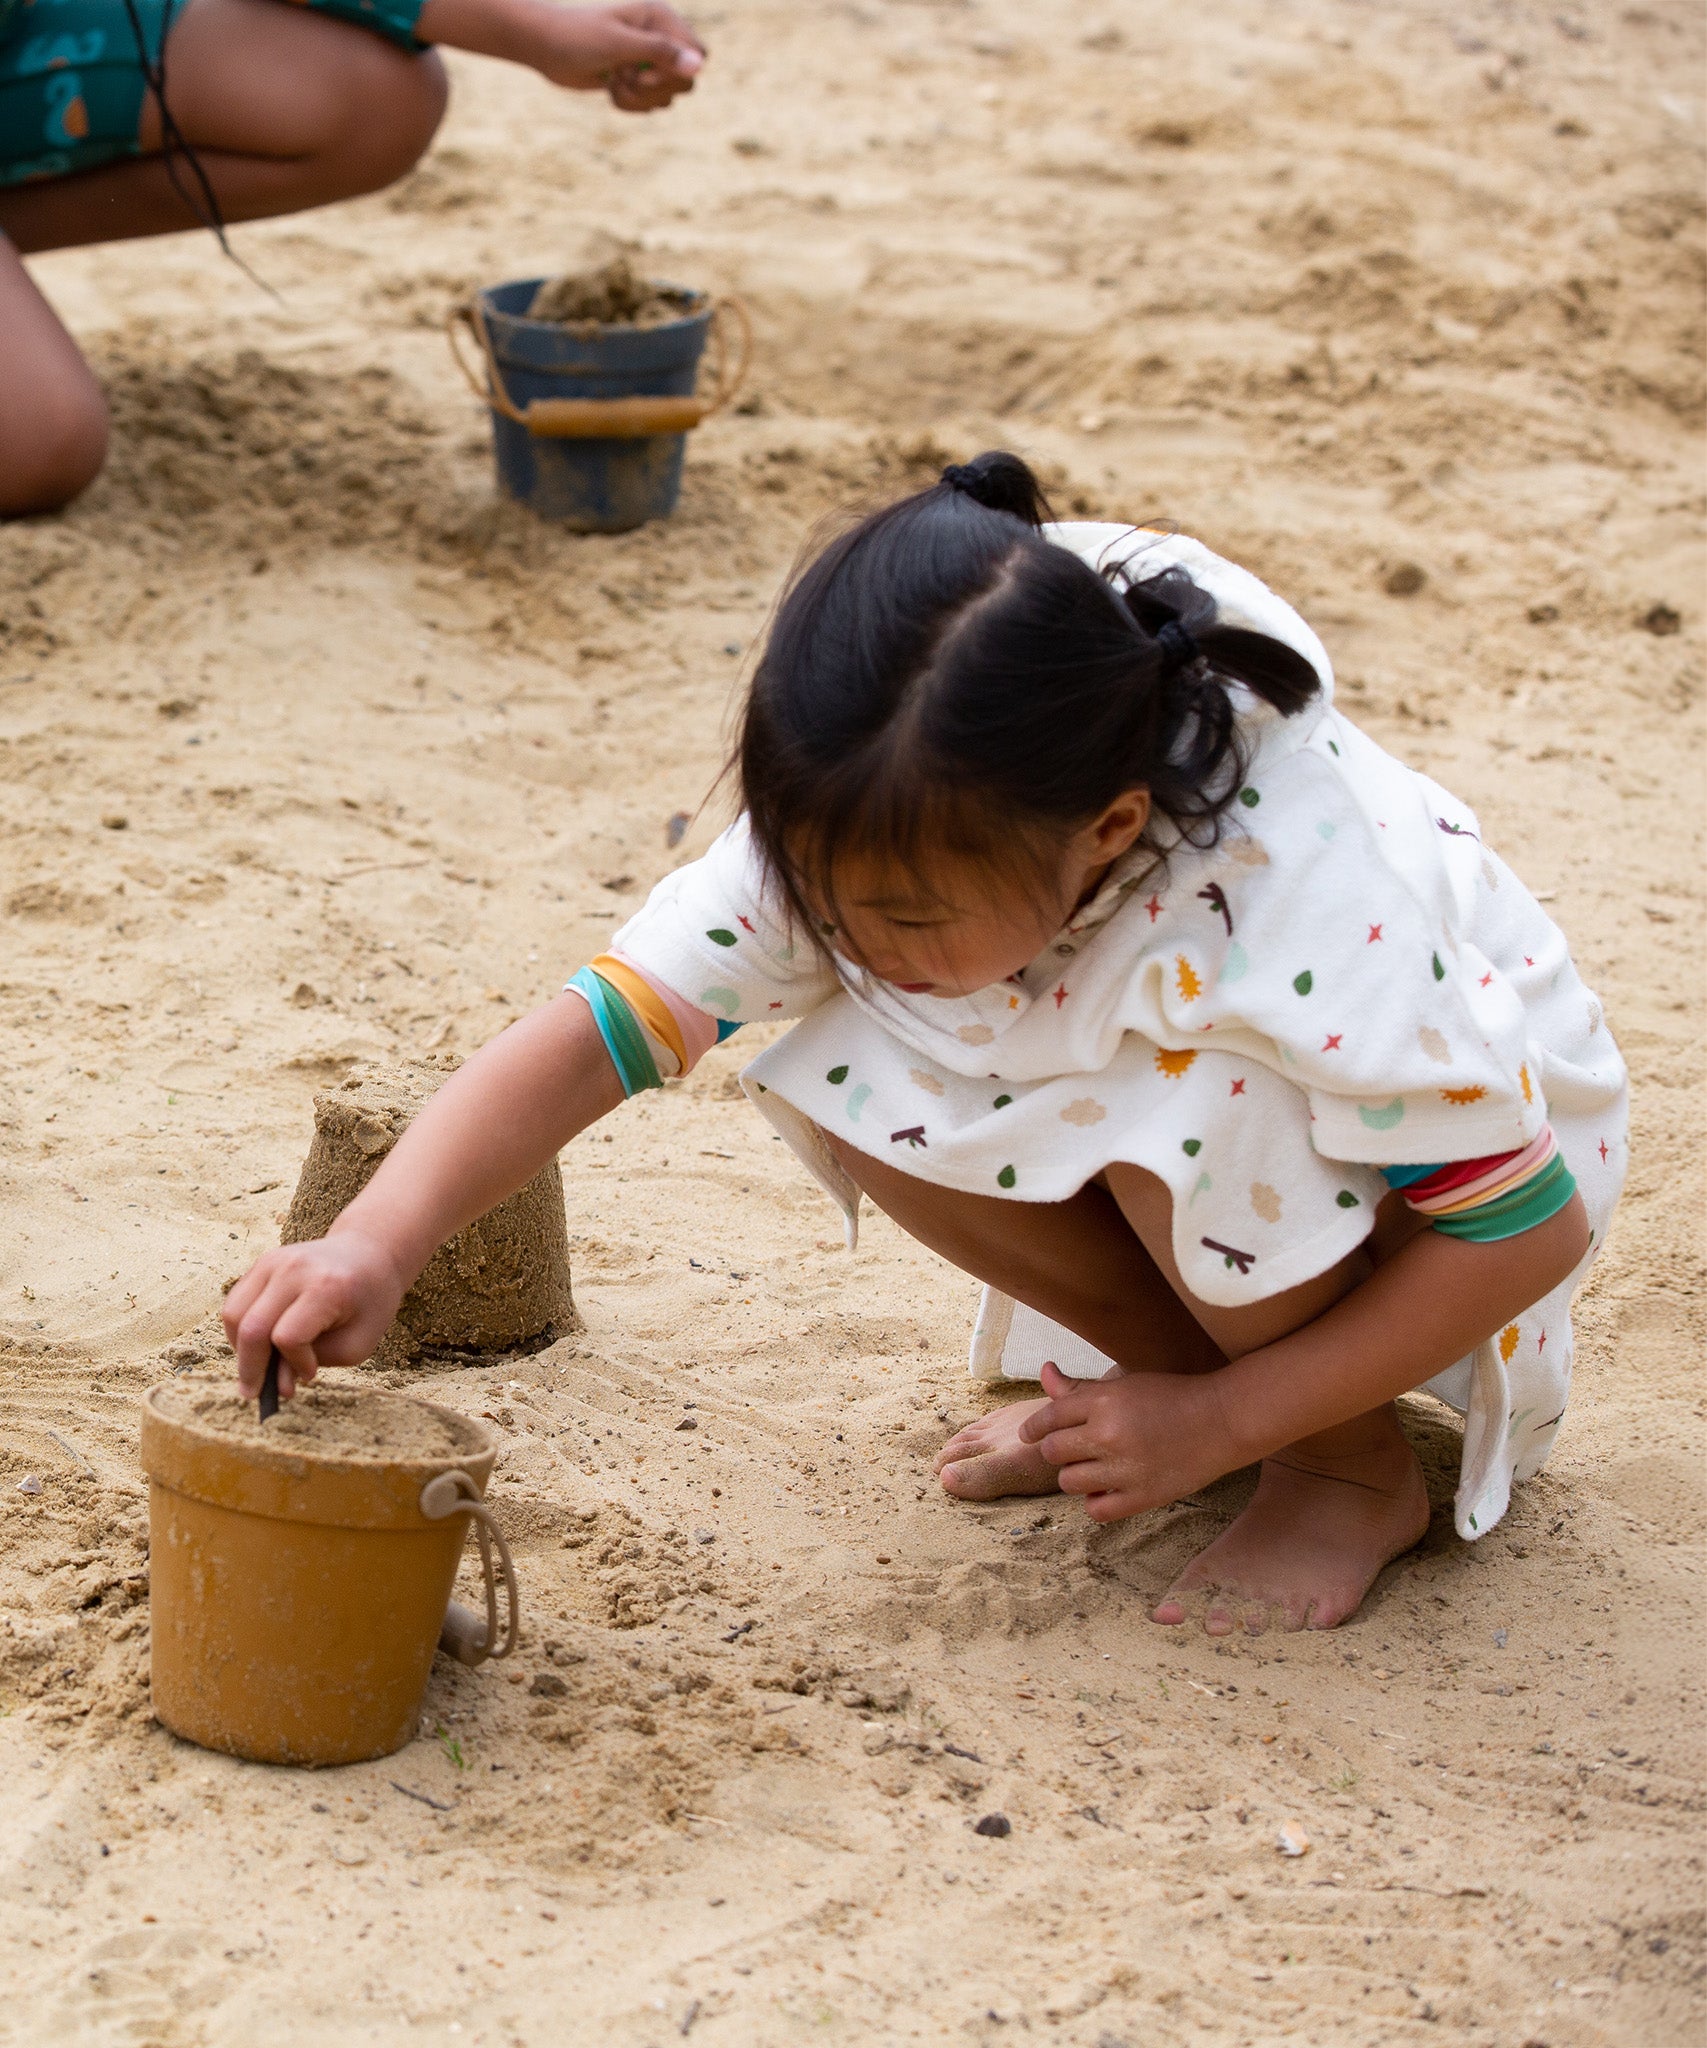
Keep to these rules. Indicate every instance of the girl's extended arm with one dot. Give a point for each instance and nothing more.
(644, 53)
(485, 1134)
(1420, 1311)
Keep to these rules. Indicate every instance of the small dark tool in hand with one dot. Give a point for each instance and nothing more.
(270, 1387)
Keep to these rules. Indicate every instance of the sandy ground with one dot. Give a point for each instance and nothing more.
(309, 751)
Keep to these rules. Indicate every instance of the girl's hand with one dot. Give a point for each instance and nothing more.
(1132, 1441)
(487, 1132)
(323, 1303)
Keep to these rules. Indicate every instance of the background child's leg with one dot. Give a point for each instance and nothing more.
(287, 109)
(53, 419)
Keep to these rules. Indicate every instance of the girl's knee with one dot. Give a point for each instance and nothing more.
(52, 454)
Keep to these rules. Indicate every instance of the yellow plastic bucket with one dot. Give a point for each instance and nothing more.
(298, 1596)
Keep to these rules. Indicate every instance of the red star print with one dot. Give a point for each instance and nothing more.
(1154, 907)
(1603, 1151)
(1332, 1042)
(1060, 995)
(1486, 979)
(1527, 961)
(1541, 1341)
(776, 1006)
(1374, 938)
(1238, 1088)
(744, 923)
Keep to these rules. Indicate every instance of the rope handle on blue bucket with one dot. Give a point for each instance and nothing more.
(608, 419)
(462, 1635)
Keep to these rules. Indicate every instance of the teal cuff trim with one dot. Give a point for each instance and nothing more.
(1407, 1176)
(1524, 1209)
(624, 1040)
(726, 1028)
(393, 19)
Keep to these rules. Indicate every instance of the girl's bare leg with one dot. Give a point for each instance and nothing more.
(1328, 1513)
(286, 110)
(1077, 1262)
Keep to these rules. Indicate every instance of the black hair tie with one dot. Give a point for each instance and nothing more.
(1178, 647)
(962, 477)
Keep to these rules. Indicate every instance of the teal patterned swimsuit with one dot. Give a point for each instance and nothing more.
(71, 75)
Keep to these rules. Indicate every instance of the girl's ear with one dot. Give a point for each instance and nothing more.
(1117, 829)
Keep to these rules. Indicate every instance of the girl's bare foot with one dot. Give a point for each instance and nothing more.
(987, 1461)
(1327, 1515)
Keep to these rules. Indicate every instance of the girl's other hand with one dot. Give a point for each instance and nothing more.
(642, 52)
(1132, 1441)
(323, 1303)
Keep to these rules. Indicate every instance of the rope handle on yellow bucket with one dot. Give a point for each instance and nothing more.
(453, 1493)
(608, 419)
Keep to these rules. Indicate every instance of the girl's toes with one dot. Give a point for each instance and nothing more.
(1169, 1612)
(964, 1444)
(1218, 1621)
(970, 1478)
(975, 1478)
(996, 1475)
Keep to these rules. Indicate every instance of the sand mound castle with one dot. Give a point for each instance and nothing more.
(500, 1286)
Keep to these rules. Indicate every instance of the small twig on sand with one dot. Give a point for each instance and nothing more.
(373, 867)
(438, 1805)
(71, 1451)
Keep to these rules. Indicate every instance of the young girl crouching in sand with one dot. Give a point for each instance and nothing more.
(1133, 979)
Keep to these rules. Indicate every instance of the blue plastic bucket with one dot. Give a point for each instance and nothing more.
(595, 485)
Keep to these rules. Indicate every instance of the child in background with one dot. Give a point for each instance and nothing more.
(1131, 978)
(145, 117)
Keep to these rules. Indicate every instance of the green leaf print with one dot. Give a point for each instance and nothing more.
(1191, 1147)
(1346, 1199)
(1439, 971)
(1006, 1178)
(836, 1076)
(719, 937)
(1001, 1102)
(1250, 798)
(1304, 982)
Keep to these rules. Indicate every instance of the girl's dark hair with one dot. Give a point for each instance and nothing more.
(942, 678)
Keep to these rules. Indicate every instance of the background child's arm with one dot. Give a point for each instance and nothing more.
(1420, 1311)
(643, 53)
(485, 1134)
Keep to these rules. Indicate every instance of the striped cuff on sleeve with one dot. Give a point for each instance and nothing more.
(1485, 1200)
(624, 1037)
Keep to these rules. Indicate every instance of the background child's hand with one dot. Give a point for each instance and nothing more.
(642, 53)
(323, 1303)
(1132, 1441)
